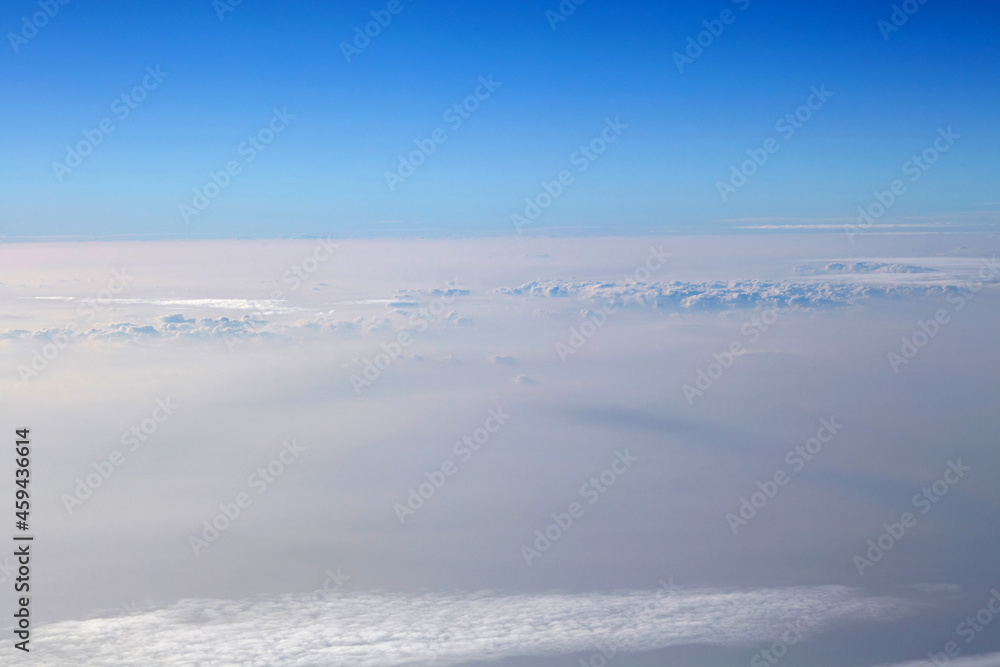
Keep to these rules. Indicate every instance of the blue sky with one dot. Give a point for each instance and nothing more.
(325, 172)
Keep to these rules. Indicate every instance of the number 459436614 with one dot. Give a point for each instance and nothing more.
(22, 448)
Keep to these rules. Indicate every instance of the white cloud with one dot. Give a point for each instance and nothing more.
(678, 295)
(371, 629)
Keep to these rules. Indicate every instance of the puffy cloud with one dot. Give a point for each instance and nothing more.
(451, 289)
(821, 283)
(460, 320)
(503, 360)
(15, 334)
(848, 266)
(681, 295)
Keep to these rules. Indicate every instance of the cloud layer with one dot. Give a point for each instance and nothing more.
(383, 630)
(387, 419)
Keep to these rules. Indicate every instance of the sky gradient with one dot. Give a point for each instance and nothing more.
(226, 71)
